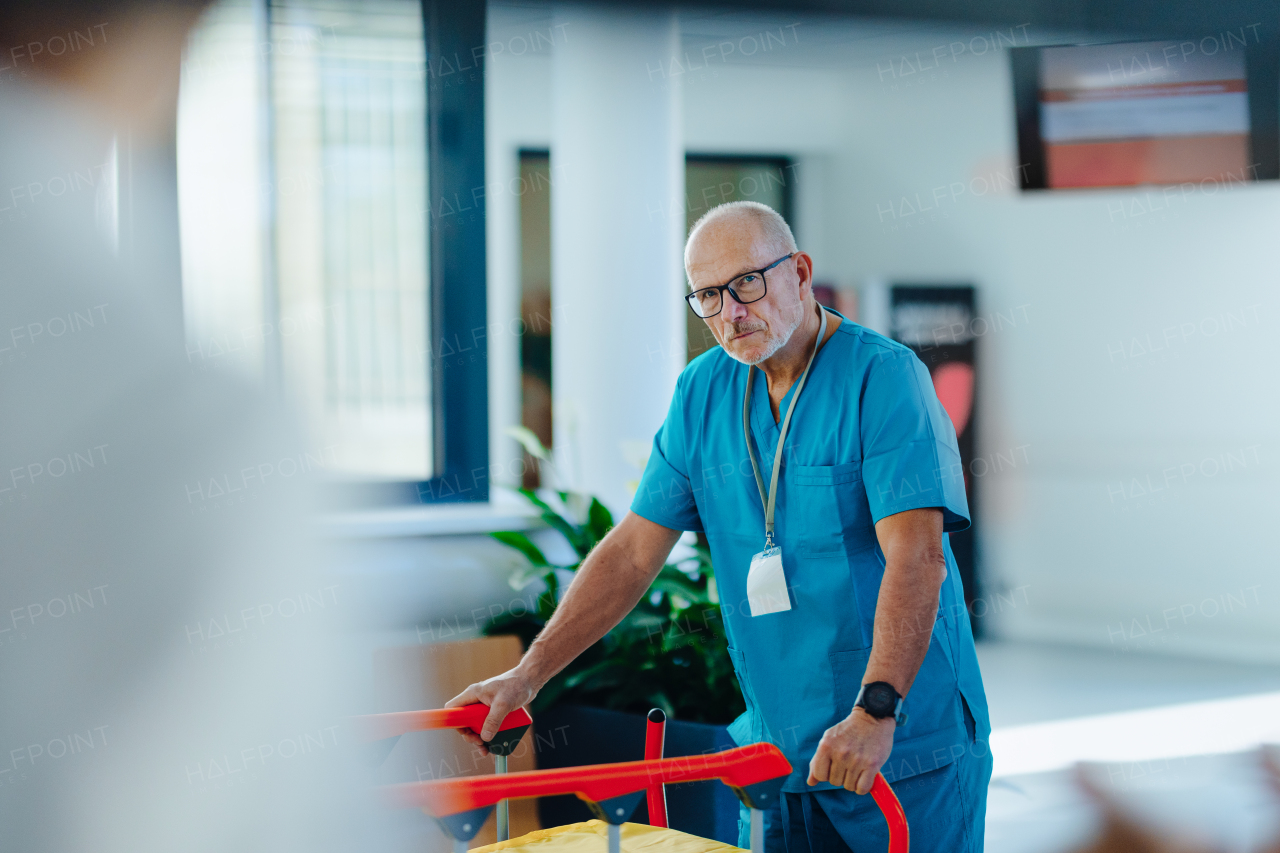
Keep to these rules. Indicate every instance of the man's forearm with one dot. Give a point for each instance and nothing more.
(853, 750)
(905, 613)
(608, 584)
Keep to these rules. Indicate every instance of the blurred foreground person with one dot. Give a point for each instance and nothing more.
(1121, 832)
(168, 676)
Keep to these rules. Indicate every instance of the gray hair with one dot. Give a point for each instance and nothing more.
(775, 229)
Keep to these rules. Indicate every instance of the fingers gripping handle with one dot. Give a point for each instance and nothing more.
(379, 726)
(764, 795)
(510, 731)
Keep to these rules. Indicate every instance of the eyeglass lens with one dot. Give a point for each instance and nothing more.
(748, 288)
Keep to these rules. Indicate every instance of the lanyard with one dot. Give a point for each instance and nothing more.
(770, 497)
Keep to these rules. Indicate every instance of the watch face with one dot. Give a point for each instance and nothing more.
(879, 699)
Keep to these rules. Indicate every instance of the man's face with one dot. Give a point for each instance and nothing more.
(749, 333)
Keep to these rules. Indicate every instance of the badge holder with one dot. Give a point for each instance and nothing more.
(766, 580)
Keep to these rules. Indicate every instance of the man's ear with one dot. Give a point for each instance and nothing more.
(804, 269)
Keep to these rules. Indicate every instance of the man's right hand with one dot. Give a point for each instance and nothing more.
(503, 694)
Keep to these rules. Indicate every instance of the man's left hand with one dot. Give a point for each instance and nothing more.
(851, 752)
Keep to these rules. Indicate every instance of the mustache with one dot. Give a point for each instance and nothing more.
(748, 326)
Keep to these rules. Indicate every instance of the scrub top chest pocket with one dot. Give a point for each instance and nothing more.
(831, 502)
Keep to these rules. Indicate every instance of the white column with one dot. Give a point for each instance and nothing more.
(502, 239)
(617, 228)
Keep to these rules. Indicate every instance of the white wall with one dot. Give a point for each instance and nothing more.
(1074, 414)
(616, 266)
(1069, 378)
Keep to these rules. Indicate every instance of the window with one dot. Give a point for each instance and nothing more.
(303, 164)
(321, 160)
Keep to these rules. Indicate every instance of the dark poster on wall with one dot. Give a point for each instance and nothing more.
(936, 322)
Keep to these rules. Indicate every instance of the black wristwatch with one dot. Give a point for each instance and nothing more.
(881, 701)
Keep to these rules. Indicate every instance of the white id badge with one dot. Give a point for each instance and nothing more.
(767, 584)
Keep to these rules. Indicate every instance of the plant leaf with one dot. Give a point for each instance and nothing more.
(536, 499)
(523, 544)
(557, 521)
(590, 672)
(529, 441)
(526, 575)
(577, 506)
(675, 582)
(599, 520)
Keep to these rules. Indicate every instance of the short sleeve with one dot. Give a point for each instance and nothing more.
(665, 494)
(909, 455)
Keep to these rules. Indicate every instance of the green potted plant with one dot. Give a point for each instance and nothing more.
(669, 652)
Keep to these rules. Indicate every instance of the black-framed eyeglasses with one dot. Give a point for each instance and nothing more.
(745, 288)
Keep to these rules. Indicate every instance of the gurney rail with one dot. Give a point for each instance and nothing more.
(740, 768)
(755, 772)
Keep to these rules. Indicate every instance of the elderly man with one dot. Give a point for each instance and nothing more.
(825, 481)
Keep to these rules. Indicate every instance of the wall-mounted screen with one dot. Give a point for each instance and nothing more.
(1165, 112)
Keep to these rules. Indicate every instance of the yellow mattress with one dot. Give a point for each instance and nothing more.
(591, 837)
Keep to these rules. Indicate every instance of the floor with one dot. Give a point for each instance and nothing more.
(1172, 740)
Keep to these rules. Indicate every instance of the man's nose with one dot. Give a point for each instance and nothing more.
(733, 311)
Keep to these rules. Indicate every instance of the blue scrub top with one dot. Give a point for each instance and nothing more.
(868, 439)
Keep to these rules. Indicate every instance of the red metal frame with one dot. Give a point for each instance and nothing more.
(739, 767)
(655, 732)
(887, 800)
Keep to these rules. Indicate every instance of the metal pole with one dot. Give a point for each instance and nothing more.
(504, 822)
(615, 838)
(757, 831)
(459, 846)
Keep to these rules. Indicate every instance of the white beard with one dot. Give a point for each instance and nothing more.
(776, 342)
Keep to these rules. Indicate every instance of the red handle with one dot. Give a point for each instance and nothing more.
(899, 834)
(740, 767)
(380, 726)
(655, 733)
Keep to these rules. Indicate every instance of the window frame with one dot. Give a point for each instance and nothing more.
(454, 216)
(459, 365)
